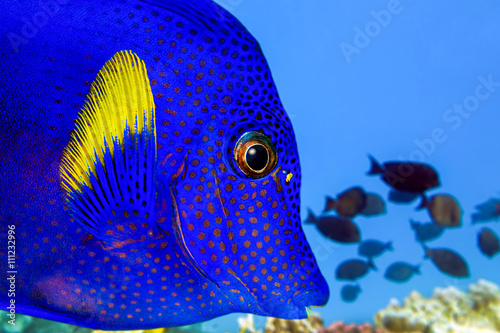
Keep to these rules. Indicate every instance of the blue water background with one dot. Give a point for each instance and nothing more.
(384, 99)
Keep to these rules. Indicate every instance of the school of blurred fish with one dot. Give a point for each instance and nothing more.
(408, 181)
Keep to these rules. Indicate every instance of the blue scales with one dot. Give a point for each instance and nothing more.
(148, 167)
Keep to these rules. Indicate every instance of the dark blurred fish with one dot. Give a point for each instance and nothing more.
(425, 232)
(401, 272)
(373, 248)
(406, 176)
(488, 242)
(348, 203)
(490, 206)
(375, 205)
(353, 269)
(336, 228)
(443, 209)
(487, 211)
(396, 196)
(483, 217)
(350, 292)
(448, 262)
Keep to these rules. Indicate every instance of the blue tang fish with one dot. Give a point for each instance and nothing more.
(149, 173)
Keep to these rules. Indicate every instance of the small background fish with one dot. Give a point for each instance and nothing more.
(390, 100)
(425, 232)
(488, 242)
(401, 272)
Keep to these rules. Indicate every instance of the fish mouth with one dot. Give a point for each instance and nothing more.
(299, 306)
(310, 298)
(309, 311)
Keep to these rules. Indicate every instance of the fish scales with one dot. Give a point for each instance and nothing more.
(220, 241)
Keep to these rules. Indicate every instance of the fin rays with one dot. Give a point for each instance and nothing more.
(109, 162)
(119, 98)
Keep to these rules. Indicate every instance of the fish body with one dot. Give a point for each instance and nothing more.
(492, 206)
(444, 210)
(488, 243)
(350, 292)
(353, 269)
(483, 217)
(348, 203)
(400, 197)
(487, 211)
(373, 248)
(375, 205)
(426, 232)
(401, 272)
(133, 136)
(406, 176)
(448, 262)
(336, 228)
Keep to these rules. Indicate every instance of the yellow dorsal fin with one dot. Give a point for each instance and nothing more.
(119, 97)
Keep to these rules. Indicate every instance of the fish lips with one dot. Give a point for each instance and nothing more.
(313, 298)
(298, 307)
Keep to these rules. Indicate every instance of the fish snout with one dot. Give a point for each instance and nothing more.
(299, 304)
(295, 286)
(312, 291)
(313, 297)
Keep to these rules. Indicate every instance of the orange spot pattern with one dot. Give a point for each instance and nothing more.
(211, 84)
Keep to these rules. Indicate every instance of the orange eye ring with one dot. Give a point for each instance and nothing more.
(255, 155)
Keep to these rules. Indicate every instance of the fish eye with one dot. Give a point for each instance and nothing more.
(255, 154)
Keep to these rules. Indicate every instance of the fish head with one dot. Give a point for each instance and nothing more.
(236, 188)
(239, 217)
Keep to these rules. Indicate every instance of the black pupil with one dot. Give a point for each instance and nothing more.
(257, 157)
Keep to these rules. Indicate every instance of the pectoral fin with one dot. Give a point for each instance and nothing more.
(108, 167)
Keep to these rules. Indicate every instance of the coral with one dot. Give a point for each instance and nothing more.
(276, 325)
(246, 324)
(309, 325)
(313, 324)
(448, 310)
(340, 327)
